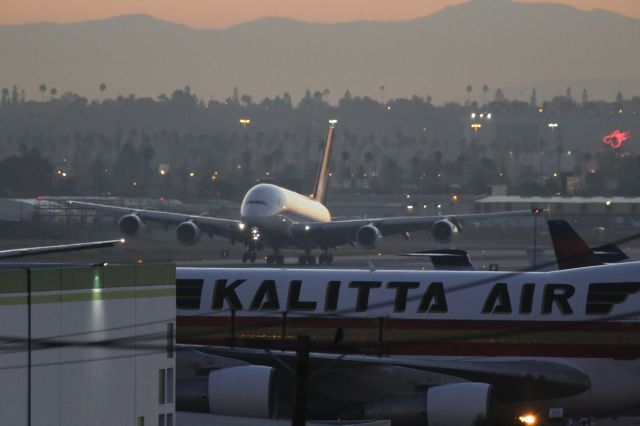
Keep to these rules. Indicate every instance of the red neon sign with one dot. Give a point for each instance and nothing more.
(615, 139)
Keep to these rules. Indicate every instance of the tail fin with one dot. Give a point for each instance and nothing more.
(571, 250)
(320, 188)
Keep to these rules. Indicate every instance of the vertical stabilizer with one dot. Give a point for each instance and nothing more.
(320, 188)
(571, 250)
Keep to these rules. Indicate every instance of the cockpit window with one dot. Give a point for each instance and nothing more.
(263, 203)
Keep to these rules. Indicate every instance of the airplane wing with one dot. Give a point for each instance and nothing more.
(32, 251)
(227, 228)
(511, 380)
(442, 227)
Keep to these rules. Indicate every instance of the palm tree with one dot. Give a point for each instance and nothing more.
(382, 94)
(102, 88)
(485, 90)
(469, 90)
(43, 89)
(5, 96)
(53, 92)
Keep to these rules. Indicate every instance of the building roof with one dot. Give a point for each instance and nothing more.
(557, 200)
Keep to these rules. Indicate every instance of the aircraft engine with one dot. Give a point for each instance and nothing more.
(131, 225)
(444, 231)
(188, 233)
(242, 391)
(368, 236)
(445, 405)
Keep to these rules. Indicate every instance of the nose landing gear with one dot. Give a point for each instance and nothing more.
(275, 258)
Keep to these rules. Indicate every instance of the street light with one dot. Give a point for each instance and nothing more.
(245, 122)
(476, 126)
(333, 122)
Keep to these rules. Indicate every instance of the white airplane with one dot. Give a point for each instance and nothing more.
(445, 348)
(277, 217)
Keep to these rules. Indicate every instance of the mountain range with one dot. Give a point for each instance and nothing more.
(500, 43)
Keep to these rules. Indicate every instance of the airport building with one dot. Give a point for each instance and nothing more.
(87, 345)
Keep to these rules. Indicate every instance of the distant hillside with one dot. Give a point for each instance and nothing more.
(501, 43)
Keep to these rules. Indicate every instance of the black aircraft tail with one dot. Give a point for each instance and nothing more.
(320, 188)
(572, 252)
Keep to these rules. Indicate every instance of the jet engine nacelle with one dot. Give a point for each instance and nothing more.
(131, 225)
(445, 405)
(444, 231)
(246, 391)
(368, 236)
(188, 233)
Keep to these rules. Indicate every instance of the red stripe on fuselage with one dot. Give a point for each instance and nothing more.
(435, 337)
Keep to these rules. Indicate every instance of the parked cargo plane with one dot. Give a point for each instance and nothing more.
(277, 217)
(451, 346)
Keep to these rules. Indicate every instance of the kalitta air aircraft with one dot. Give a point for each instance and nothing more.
(277, 217)
(445, 348)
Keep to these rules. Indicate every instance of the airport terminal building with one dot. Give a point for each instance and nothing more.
(87, 345)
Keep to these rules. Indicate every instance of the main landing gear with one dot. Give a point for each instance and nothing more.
(249, 256)
(275, 258)
(308, 259)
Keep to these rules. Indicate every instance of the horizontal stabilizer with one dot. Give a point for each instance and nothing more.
(458, 260)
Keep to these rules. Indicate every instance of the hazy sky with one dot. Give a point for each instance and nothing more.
(223, 13)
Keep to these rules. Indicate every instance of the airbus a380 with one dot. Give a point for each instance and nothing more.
(277, 217)
(455, 346)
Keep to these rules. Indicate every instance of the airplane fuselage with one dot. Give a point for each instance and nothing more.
(272, 209)
(586, 318)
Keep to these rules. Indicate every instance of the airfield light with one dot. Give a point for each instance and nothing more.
(454, 198)
(63, 174)
(620, 111)
(192, 174)
(245, 122)
(439, 206)
(473, 115)
(163, 172)
(214, 177)
(555, 174)
(528, 419)
(489, 115)
(540, 109)
(333, 121)
(608, 203)
(134, 182)
(410, 207)
(481, 115)
(307, 227)
(476, 126)
(241, 226)
(389, 108)
(552, 125)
